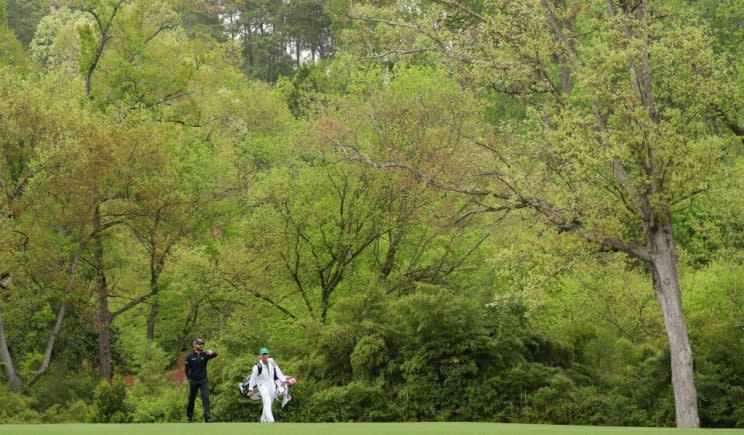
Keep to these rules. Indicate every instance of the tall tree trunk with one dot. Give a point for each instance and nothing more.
(104, 315)
(394, 242)
(10, 374)
(666, 286)
(247, 36)
(151, 320)
(154, 287)
(104, 334)
(325, 304)
(297, 54)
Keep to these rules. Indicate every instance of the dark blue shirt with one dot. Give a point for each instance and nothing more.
(196, 365)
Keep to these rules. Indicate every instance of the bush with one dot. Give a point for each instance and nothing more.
(16, 408)
(77, 412)
(357, 401)
(60, 385)
(109, 403)
(167, 405)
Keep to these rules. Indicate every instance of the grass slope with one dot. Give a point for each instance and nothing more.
(343, 429)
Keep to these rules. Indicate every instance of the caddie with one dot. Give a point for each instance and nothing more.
(268, 379)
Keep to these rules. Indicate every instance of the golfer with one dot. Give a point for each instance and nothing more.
(196, 373)
(270, 382)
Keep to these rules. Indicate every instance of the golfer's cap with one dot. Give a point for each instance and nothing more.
(263, 351)
(198, 341)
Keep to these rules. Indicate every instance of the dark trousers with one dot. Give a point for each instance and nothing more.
(193, 387)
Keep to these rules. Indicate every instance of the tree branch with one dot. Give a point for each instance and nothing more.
(418, 174)
(104, 29)
(238, 283)
(131, 304)
(731, 124)
(50, 345)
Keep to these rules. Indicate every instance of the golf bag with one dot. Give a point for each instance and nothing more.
(290, 381)
(243, 388)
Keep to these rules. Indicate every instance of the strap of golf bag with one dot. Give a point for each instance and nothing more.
(260, 367)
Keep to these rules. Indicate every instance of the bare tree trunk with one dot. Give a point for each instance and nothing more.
(151, 320)
(50, 344)
(154, 287)
(667, 289)
(104, 315)
(10, 374)
(297, 54)
(8, 367)
(187, 328)
(247, 36)
(104, 332)
(325, 304)
(393, 243)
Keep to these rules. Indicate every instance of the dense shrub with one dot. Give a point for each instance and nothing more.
(16, 408)
(168, 404)
(109, 403)
(433, 355)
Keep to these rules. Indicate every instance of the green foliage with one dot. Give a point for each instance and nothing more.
(307, 92)
(57, 40)
(109, 403)
(276, 36)
(16, 408)
(165, 405)
(24, 16)
(720, 369)
(353, 402)
(11, 51)
(77, 411)
(190, 194)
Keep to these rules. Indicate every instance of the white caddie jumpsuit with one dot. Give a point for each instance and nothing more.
(268, 387)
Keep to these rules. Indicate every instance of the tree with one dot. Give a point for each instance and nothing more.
(132, 155)
(133, 49)
(135, 41)
(24, 16)
(165, 211)
(35, 121)
(622, 127)
(429, 234)
(56, 42)
(325, 228)
(11, 51)
(274, 38)
(84, 174)
(52, 219)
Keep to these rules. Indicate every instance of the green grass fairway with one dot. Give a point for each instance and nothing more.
(342, 429)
